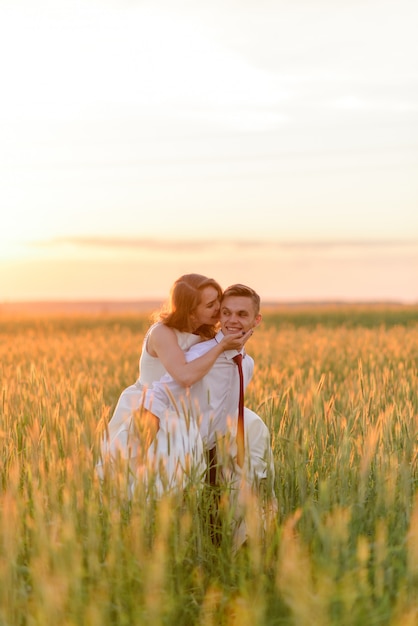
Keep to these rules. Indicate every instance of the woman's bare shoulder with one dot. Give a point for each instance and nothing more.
(161, 333)
(159, 337)
(161, 330)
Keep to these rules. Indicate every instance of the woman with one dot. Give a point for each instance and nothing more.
(191, 316)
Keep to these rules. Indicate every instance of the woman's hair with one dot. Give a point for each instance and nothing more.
(185, 296)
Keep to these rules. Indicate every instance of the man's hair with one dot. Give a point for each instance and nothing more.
(243, 290)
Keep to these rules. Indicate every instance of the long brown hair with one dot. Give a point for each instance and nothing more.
(185, 296)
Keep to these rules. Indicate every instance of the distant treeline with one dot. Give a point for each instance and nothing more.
(350, 316)
(138, 316)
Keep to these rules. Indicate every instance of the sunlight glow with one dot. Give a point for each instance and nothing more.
(220, 123)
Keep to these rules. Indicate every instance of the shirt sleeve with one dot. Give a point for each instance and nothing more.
(199, 349)
(247, 368)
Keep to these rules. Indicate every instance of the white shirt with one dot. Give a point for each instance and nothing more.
(213, 400)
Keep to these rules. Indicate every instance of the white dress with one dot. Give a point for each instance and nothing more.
(176, 455)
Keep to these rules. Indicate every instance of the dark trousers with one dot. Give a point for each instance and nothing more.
(214, 496)
(212, 464)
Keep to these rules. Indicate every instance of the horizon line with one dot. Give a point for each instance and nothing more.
(146, 303)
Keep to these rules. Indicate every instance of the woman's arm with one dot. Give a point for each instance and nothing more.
(162, 343)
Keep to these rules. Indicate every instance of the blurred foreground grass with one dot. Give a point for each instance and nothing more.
(339, 391)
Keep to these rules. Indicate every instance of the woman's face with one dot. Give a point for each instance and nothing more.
(207, 312)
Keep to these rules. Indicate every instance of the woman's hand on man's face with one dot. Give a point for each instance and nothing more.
(236, 341)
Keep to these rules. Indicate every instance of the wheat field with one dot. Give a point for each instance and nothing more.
(338, 389)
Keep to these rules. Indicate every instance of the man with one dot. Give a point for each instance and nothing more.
(214, 400)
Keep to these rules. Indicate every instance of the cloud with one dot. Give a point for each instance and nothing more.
(199, 245)
(116, 243)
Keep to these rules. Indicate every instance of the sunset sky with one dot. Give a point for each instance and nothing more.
(273, 143)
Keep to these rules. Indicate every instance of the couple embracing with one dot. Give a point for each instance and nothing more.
(184, 416)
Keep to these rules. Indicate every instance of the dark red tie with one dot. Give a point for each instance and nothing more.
(240, 426)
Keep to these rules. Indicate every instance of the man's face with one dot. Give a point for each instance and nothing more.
(238, 314)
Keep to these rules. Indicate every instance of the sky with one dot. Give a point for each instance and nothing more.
(273, 143)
